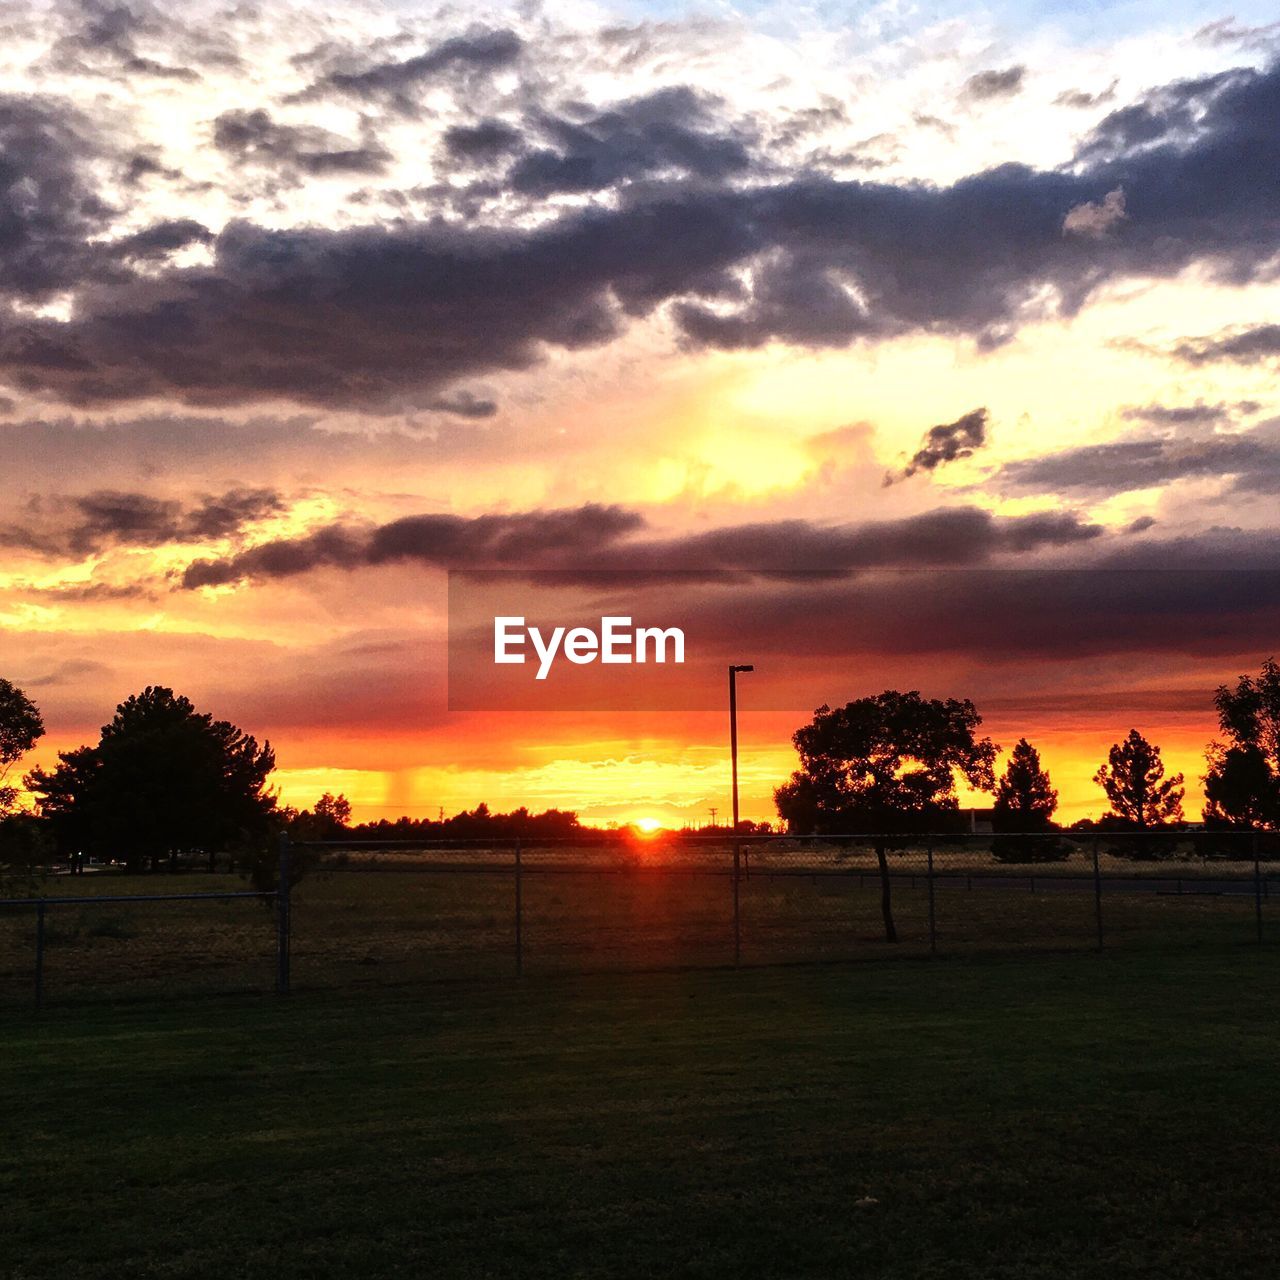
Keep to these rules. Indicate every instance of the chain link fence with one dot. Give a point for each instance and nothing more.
(371, 914)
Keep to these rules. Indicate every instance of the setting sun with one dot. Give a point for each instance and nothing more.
(647, 826)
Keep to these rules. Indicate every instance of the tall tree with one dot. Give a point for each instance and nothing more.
(164, 778)
(1242, 785)
(1025, 798)
(20, 729)
(1022, 815)
(885, 765)
(1139, 793)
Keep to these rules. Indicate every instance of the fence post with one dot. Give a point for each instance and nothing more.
(933, 921)
(519, 913)
(40, 954)
(737, 911)
(1097, 891)
(283, 904)
(1257, 885)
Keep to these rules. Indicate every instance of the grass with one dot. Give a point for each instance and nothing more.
(1049, 1116)
(372, 929)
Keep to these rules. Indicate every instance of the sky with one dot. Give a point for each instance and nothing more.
(969, 310)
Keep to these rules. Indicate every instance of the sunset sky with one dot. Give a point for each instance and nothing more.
(304, 306)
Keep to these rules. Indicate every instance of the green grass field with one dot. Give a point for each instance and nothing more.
(1041, 1116)
(374, 929)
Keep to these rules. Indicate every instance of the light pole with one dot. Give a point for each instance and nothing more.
(733, 756)
(733, 733)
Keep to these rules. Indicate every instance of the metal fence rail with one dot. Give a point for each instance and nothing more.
(366, 913)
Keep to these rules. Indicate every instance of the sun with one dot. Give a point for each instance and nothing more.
(648, 825)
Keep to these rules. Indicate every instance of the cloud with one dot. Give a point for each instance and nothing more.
(945, 443)
(253, 137)
(389, 316)
(987, 85)
(482, 142)
(84, 525)
(590, 543)
(1251, 459)
(1188, 415)
(1257, 344)
(480, 51)
(1082, 98)
(1095, 219)
(442, 541)
(49, 207)
(673, 130)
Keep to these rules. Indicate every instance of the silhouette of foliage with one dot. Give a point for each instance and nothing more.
(1024, 806)
(164, 780)
(1141, 797)
(20, 729)
(1242, 785)
(884, 765)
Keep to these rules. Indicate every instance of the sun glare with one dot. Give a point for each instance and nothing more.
(647, 826)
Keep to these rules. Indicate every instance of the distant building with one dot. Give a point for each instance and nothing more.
(980, 821)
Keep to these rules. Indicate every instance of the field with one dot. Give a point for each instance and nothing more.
(1042, 1116)
(421, 919)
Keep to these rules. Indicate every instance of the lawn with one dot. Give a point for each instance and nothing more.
(1039, 1116)
(405, 925)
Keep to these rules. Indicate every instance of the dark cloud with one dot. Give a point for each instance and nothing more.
(386, 318)
(444, 541)
(993, 84)
(1259, 344)
(673, 130)
(48, 205)
(86, 524)
(483, 142)
(161, 239)
(1251, 459)
(480, 51)
(103, 38)
(945, 443)
(254, 137)
(1188, 415)
(590, 543)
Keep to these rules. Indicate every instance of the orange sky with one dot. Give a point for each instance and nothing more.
(563, 293)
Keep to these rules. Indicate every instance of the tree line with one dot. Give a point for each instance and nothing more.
(166, 783)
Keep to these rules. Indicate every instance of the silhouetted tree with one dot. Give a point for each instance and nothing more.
(327, 821)
(163, 779)
(1141, 797)
(884, 765)
(1025, 803)
(20, 729)
(1025, 798)
(1242, 785)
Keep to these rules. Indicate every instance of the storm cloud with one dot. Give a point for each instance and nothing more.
(590, 543)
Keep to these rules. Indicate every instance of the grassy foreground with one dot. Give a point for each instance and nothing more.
(1068, 1116)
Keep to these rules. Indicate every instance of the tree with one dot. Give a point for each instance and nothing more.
(327, 821)
(1025, 799)
(163, 779)
(335, 810)
(885, 764)
(20, 729)
(1242, 785)
(1133, 778)
(1025, 803)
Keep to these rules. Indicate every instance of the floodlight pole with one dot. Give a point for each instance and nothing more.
(733, 756)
